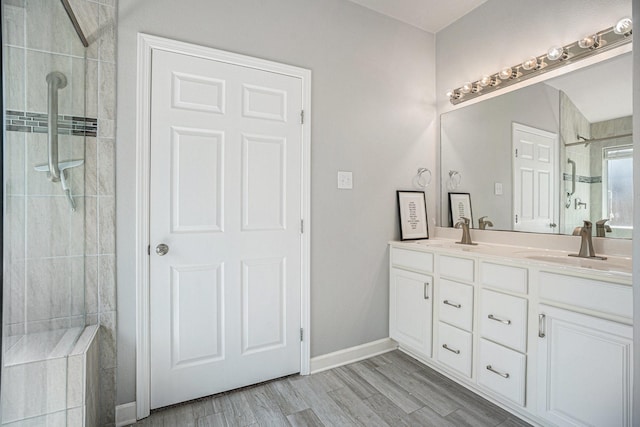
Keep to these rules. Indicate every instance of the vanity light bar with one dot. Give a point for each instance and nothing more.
(556, 57)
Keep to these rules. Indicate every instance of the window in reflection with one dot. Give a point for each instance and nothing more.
(617, 168)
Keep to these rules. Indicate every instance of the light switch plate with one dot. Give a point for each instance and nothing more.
(498, 189)
(345, 180)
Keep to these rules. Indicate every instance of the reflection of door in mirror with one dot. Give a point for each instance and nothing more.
(535, 161)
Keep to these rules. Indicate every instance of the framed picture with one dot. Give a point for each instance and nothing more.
(460, 206)
(412, 207)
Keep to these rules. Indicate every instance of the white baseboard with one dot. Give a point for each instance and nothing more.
(352, 354)
(126, 414)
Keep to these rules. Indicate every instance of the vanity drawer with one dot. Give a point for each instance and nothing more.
(456, 304)
(506, 277)
(456, 268)
(415, 260)
(454, 348)
(605, 297)
(502, 370)
(503, 319)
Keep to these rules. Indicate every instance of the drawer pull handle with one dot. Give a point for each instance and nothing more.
(452, 304)
(446, 347)
(426, 295)
(541, 325)
(492, 317)
(489, 368)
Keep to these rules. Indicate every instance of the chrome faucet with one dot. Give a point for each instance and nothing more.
(484, 223)
(466, 236)
(586, 243)
(602, 228)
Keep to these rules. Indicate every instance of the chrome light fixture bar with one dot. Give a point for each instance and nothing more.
(556, 57)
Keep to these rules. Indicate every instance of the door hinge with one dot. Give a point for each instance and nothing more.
(302, 226)
(301, 334)
(516, 219)
(302, 117)
(516, 153)
(149, 250)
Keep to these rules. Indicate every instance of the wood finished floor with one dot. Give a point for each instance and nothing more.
(387, 390)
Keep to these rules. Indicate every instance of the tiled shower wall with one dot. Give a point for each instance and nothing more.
(573, 123)
(98, 19)
(32, 208)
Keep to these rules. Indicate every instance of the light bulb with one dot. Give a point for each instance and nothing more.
(557, 53)
(466, 88)
(453, 94)
(623, 26)
(530, 63)
(589, 42)
(484, 81)
(505, 73)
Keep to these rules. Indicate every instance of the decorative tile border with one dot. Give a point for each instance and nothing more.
(584, 179)
(26, 121)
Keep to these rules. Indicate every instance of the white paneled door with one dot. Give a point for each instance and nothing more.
(226, 164)
(535, 196)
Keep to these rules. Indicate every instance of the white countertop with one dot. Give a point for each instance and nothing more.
(614, 267)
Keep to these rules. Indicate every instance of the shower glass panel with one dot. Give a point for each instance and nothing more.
(43, 141)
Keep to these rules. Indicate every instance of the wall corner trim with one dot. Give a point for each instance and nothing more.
(352, 354)
(126, 414)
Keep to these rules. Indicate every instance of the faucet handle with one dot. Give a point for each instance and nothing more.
(481, 219)
(462, 221)
(587, 223)
(602, 222)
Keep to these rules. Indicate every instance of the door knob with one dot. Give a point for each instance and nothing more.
(162, 249)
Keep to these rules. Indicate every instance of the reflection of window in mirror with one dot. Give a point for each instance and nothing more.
(617, 200)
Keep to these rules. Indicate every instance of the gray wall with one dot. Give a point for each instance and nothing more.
(373, 112)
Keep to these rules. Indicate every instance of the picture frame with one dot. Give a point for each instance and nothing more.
(412, 210)
(460, 206)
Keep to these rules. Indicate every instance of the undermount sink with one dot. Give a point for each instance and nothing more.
(619, 265)
(448, 245)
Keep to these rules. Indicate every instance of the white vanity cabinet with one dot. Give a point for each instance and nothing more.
(455, 300)
(584, 369)
(411, 300)
(584, 360)
(502, 318)
(552, 344)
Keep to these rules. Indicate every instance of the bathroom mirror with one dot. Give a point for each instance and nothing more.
(545, 157)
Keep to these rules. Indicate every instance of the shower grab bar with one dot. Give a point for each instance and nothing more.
(573, 177)
(55, 170)
(55, 81)
(573, 183)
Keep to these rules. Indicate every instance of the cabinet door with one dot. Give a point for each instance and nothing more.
(410, 310)
(584, 369)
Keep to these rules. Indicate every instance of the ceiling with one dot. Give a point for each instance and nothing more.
(429, 15)
(608, 93)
